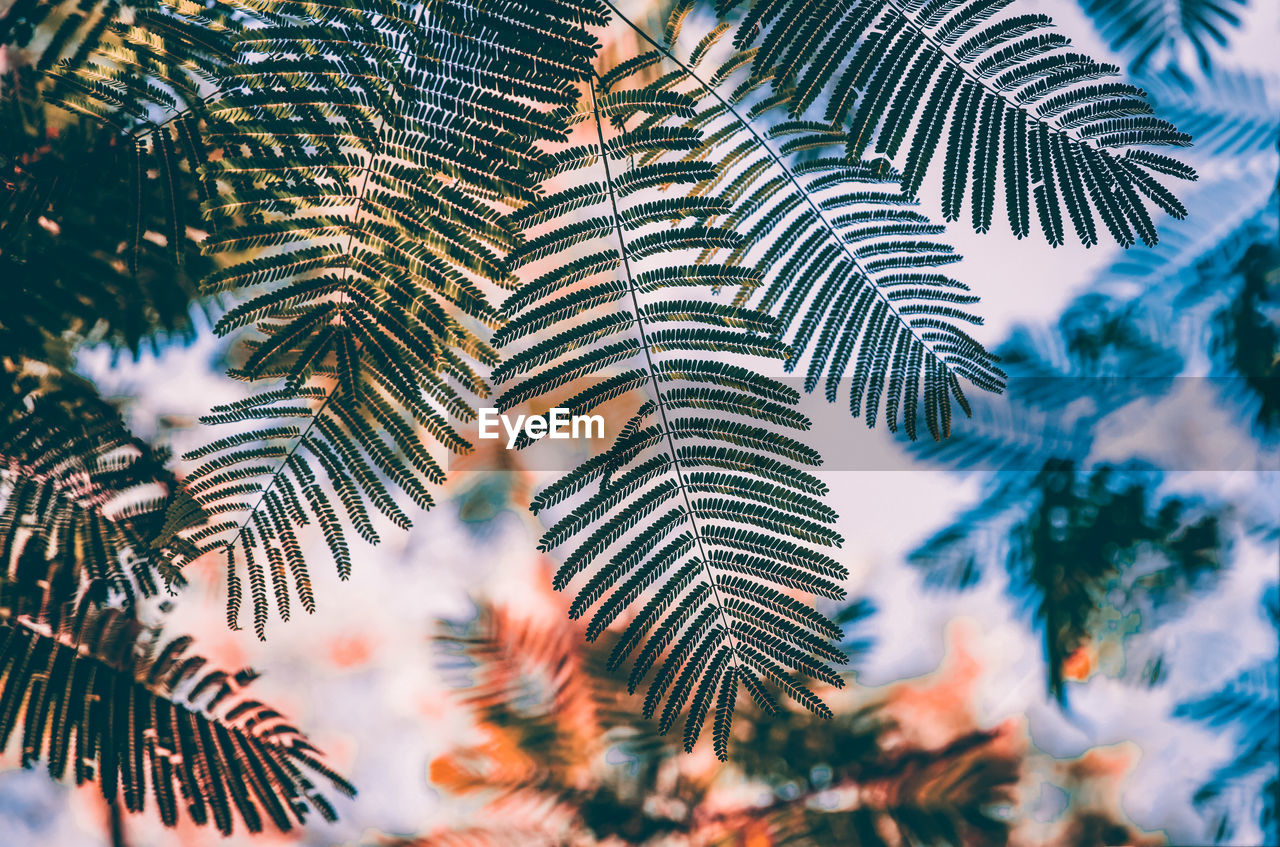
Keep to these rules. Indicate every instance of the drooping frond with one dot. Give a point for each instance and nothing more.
(1153, 32)
(364, 153)
(701, 504)
(81, 497)
(84, 685)
(99, 696)
(852, 270)
(990, 94)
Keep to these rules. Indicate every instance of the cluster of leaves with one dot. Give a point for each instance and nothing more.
(366, 250)
(702, 493)
(91, 686)
(866, 302)
(106, 116)
(69, 258)
(1094, 548)
(1095, 551)
(1017, 105)
(381, 170)
(363, 192)
(563, 759)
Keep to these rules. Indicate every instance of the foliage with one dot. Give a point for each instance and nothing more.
(84, 508)
(1107, 356)
(1151, 32)
(1079, 544)
(367, 196)
(73, 265)
(564, 759)
(1247, 335)
(82, 493)
(136, 705)
(851, 265)
(701, 495)
(1024, 109)
(1250, 702)
(359, 182)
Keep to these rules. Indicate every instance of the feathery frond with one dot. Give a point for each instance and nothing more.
(994, 96)
(91, 690)
(701, 497)
(84, 684)
(80, 492)
(364, 153)
(852, 269)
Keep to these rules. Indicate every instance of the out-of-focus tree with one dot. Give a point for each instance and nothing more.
(1153, 34)
(558, 756)
(1248, 705)
(561, 757)
(1247, 335)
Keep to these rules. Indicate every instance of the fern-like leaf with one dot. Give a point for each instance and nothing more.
(84, 684)
(701, 503)
(79, 491)
(989, 95)
(93, 692)
(363, 176)
(851, 268)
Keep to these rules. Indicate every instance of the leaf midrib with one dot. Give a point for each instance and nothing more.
(653, 378)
